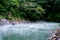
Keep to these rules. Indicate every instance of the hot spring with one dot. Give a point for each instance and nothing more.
(28, 31)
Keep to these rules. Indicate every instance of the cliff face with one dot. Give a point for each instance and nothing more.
(32, 10)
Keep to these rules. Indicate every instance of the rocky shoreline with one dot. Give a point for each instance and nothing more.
(4, 21)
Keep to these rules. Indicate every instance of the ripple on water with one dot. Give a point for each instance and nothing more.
(28, 31)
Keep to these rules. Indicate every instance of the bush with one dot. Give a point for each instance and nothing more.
(32, 10)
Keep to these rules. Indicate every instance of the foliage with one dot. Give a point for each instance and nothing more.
(32, 10)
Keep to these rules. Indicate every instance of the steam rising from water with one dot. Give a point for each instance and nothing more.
(27, 31)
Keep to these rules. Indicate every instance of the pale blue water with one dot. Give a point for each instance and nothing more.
(28, 31)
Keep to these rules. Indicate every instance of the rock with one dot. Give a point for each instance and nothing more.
(56, 35)
(12, 22)
(4, 21)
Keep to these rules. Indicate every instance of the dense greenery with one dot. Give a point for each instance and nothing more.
(32, 10)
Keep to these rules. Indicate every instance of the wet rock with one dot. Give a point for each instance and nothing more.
(12, 22)
(4, 21)
(56, 35)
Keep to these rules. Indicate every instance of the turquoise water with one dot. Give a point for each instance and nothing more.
(28, 31)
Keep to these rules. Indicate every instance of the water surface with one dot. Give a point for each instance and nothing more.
(28, 31)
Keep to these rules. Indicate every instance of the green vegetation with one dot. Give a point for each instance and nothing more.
(33, 10)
